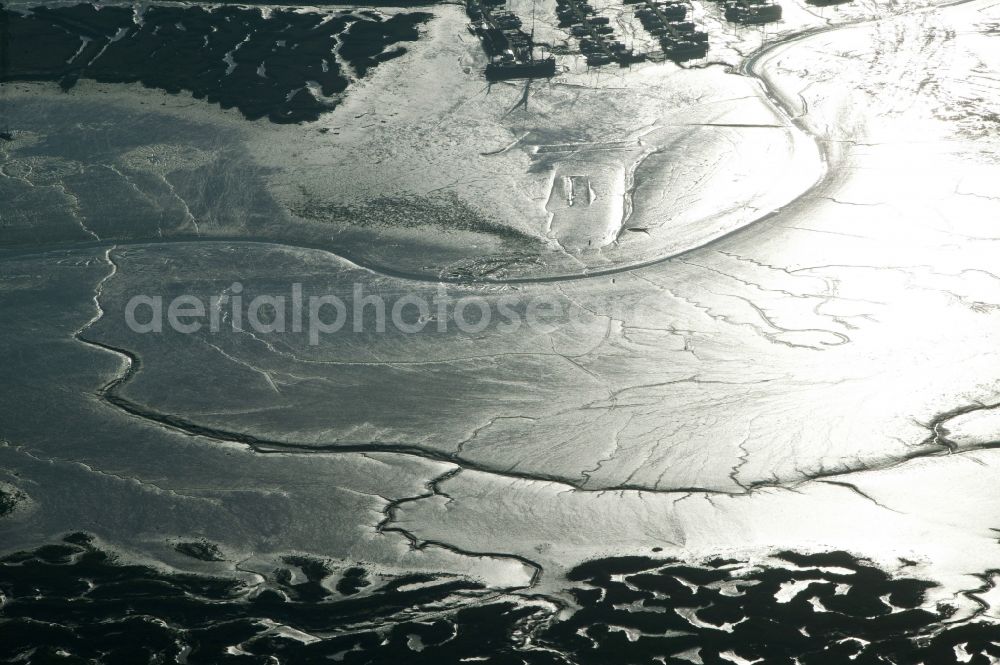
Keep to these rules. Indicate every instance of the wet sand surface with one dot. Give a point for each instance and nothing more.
(777, 399)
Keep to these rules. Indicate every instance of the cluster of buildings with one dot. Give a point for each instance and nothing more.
(666, 20)
(512, 51)
(597, 38)
(753, 12)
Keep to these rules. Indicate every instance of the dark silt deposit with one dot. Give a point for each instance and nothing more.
(82, 603)
(231, 56)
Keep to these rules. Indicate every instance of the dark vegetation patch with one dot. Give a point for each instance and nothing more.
(819, 609)
(325, 3)
(73, 603)
(201, 550)
(9, 499)
(281, 66)
(353, 581)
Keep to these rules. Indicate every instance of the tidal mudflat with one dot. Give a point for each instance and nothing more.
(757, 424)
